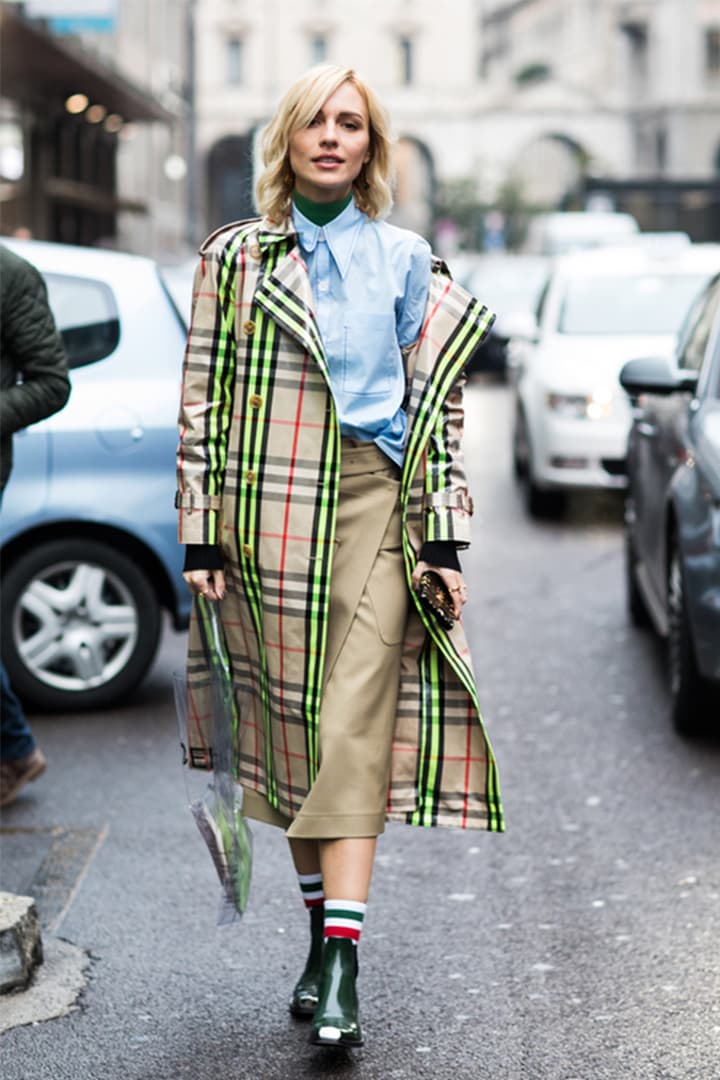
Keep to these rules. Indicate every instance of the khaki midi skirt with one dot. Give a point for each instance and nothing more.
(368, 613)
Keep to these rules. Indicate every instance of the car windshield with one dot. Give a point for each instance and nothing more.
(642, 304)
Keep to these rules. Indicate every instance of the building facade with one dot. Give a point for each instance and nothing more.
(94, 121)
(650, 67)
(151, 42)
(557, 101)
(422, 62)
(560, 98)
(620, 98)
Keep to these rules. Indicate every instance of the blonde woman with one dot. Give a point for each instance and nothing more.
(320, 473)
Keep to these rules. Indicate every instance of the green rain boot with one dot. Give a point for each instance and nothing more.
(307, 989)
(336, 1021)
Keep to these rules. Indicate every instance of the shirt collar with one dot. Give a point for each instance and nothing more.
(339, 234)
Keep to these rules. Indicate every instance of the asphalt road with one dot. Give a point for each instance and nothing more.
(580, 945)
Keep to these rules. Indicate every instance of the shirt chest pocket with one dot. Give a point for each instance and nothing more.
(371, 357)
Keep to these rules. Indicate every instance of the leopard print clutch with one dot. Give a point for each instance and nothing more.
(435, 598)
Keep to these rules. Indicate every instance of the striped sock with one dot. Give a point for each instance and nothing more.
(311, 887)
(344, 918)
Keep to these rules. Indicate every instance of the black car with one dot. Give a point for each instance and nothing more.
(672, 520)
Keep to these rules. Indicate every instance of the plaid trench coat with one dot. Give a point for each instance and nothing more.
(258, 473)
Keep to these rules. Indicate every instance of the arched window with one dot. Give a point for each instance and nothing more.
(415, 191)
(549, 169)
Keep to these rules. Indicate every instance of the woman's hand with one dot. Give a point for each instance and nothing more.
(452, 578)
(209, 583)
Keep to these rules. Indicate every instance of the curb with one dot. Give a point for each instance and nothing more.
(20, 941)
(54, 991)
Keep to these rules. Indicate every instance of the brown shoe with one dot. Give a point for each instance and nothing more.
(14, 774)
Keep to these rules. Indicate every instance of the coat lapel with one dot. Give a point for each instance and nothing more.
(286, 296)
(455, 325)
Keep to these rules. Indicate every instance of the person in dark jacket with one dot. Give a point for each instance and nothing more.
(34, 383)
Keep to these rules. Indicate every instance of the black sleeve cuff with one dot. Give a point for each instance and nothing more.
(440, 553)
(203, 557)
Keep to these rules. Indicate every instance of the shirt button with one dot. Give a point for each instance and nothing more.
(249, 327)
(254, 251)
(255, 401)
(247, 551)
(250, 476)
(323, 286)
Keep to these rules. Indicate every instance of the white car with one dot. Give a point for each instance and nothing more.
(561, 233)
(598, 310)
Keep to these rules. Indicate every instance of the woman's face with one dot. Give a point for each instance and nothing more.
(328, 154)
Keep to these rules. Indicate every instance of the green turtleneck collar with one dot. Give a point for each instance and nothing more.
(320, 213)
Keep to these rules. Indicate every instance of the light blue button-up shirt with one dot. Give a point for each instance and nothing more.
(370, 282)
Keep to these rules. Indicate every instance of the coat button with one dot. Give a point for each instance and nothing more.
(247, 551)
(250, 476)
(249, 327)
(255, 401)
(254, 251)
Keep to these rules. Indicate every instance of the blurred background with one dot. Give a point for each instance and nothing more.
(583, 945)
(134, 125)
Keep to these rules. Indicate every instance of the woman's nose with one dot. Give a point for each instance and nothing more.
(328, 134)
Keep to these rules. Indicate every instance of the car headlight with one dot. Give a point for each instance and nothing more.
(595, 406)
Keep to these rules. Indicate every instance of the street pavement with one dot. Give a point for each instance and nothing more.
(580, 945)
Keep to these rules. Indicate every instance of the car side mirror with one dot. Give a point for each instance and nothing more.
(654, 375)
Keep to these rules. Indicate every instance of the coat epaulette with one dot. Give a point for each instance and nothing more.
(228, 230)
(439, 266)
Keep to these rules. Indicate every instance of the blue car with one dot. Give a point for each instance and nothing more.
(672, 519)
(90, 558)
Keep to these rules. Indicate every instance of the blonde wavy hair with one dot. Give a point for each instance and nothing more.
(302, 102)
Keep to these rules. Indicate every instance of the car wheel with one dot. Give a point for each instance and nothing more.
(636, 606)
(542, 503)
(80, 625)
(689, 692)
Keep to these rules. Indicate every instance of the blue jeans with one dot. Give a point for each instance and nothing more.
(16, 738)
